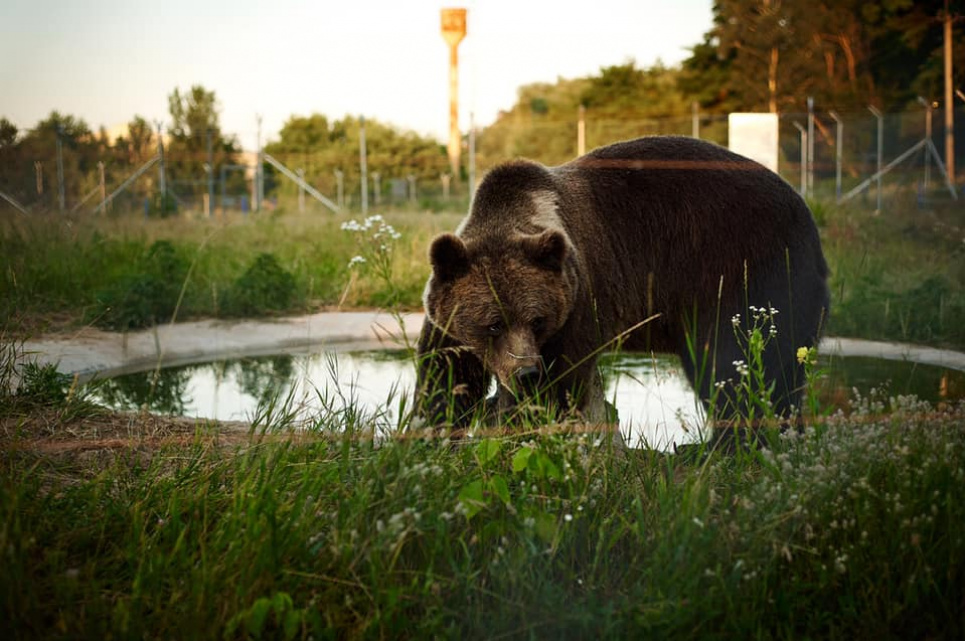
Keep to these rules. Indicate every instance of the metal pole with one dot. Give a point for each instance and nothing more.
(804, 158)
(224, 207)
(340, 198)
(949, 103)
(363, 166)
(838, 150)
(162, 183)
(581, 132)
(695, 120)
(210, 170)
(472, 155)
(928, 109)
(100, 171)
(288, 173)
(124, 185)
(14, 203)
(301, 191)
(810, 163)
(61, 196)
(880, 155)
(259, 181)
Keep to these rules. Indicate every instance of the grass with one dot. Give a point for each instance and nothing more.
(110, 272)
(897, 276)
(116, 526)
(849, 530)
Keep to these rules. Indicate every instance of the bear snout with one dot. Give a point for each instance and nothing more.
(526, 381)
(528, 376)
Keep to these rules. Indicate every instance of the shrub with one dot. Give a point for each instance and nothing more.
(266, 286)
(146, 297)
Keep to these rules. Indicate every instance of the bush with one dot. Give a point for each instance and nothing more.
(147, 297)
(265, 287)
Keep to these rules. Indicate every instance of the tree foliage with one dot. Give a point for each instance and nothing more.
(773, 54)
(196, 141)
(321, 147)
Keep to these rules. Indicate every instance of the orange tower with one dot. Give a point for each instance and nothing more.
(454, 30)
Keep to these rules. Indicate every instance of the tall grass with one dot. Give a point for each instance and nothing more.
(895, 276)
(849, 530)
(103, 271)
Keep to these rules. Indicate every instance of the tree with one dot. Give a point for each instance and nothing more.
(320, 147)
(195, 126)
(773, 54)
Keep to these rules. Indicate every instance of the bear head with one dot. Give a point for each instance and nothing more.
(503, 296)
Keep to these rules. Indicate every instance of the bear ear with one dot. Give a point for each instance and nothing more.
(547, 249)
(449, 257)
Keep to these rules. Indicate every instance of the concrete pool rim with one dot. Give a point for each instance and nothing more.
(91, 353)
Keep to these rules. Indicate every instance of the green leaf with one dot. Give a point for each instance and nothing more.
(498, 486)
(521, 459)
(545, 527)
(281, 603)
(548, 469)
(292, 622)
(487, 450)
(255, 621)
(471, 496)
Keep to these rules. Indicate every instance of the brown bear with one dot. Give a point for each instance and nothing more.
(554, 264)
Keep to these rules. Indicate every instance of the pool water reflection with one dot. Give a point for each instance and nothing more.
(656, 405)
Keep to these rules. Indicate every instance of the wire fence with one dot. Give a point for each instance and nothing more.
(860, 156)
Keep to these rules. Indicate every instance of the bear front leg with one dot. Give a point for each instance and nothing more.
(451, 380)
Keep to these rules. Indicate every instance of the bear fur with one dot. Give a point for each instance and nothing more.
(554, 264)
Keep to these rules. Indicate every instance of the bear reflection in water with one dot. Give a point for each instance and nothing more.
(655, 244)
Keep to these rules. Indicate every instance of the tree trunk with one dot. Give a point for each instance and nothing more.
(772, 81)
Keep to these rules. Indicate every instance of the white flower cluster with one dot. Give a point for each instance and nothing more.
(376, 222)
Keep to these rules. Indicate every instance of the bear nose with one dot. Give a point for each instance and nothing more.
(528, 376)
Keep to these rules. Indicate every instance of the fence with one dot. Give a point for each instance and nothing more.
(825, 155)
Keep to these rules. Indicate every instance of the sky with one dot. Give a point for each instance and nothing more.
(108, 60)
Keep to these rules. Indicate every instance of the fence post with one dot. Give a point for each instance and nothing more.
(928, 109)
(472, 155)
(838, 141)
(259, 194)
(162, 183)
(61, 196)
(810, 163)
(445, 178)
(210, 171)
(339, 180)
(301, 192)
(103, 182)
(695, 120)
(412, 197)
(581, 132)
(363, 166)
(224, 206)
(39, 172)
(880, 154)
(377, 186)
(804, 158)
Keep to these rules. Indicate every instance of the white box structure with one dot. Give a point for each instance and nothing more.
(754, 135)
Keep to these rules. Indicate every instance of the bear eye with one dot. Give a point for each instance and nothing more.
(494, 329)
(538, 325)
